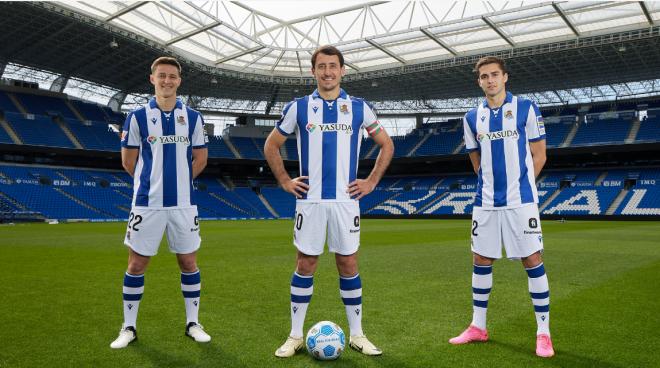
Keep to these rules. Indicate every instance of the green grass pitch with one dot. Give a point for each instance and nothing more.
(61, 297)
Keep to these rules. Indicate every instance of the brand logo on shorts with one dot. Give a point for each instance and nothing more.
(356, 223)
(128, 235)
(533, 223)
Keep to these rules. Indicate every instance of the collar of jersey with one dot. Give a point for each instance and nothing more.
(154, 105)
(342, 94)
(507, 99)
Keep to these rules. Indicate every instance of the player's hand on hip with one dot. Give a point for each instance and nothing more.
(296, 186)
(360, 188)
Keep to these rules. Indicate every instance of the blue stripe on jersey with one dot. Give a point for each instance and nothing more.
(142, 196)
(301, 117)
(329, 154)
(169, 162)
(358, 117)
(499, 166)
(192, 122)
(526, 195)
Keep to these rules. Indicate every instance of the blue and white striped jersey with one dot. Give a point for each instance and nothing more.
(506, 175)
(329, 134)
(163, 174)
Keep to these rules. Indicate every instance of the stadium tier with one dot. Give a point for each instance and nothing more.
(69, 193)
(47, 120)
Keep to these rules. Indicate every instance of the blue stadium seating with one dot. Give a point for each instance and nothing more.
(218, 148)
(649, 130)
(578, 200)
(366, 146)
(59, 192)
(282, 202)
(4, 137)
(95, 135)
(291, 147)
(6, 104)
(599, 131)
(41, 131)
(555, 133)
(45, 105)
(90, 111)
(440, 143)
(248, 147)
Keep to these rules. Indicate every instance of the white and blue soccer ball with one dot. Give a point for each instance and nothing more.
(325, 341)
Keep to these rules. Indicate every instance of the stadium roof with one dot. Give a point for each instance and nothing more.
(394, 50)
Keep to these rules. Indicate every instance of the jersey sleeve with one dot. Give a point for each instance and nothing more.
(289, 120)
(130, 134)
(534, 126)
(471, 143)
(199, 137)
(370, 121)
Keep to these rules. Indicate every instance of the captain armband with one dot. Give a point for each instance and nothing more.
(374, 128)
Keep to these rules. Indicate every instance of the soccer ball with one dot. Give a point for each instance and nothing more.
(325, 341)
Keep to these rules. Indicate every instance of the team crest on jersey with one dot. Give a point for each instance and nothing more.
(181, 120)
(344, 109)
(311, 127)
(509, 114)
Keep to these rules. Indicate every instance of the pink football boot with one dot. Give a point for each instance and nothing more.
(472, 333)
(544, 346)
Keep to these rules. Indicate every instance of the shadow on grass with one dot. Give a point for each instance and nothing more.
(203, 355)
(562, 358)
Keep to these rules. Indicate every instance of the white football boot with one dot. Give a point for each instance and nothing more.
(364, 346)
(126, 336)
(290, 347)
(196, 332)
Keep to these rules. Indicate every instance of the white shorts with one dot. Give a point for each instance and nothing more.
(146, 227)
(342, 220)
(519, 229)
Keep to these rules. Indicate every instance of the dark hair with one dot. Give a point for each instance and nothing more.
(490, 60)
(328, 50)
(166, 60)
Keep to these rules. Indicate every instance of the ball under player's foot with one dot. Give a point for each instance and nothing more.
(196, 332)
(290, 347)
(364, 346)
(126, 336)
(471, 334)
(544, 347)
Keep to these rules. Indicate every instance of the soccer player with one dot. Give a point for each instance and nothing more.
(505, 138)
(328, 124)
(163, 149)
